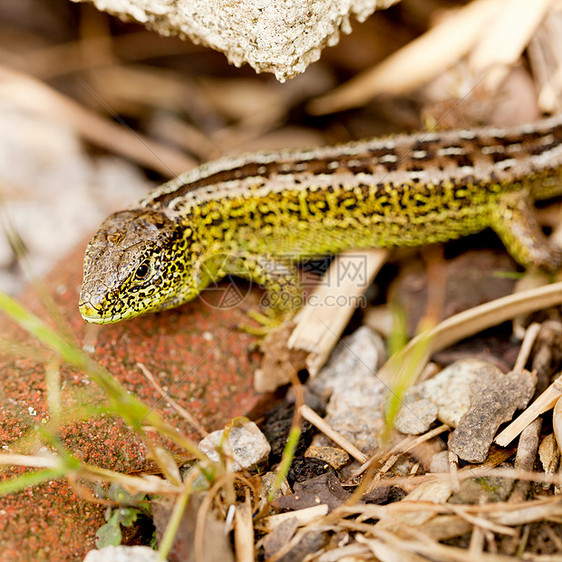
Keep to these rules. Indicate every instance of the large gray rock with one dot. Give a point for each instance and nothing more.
(279, 36)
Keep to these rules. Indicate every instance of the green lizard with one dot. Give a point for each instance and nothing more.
(257, 214)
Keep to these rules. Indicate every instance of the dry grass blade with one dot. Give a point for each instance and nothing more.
(506, 38)
(147, 485)
(482, 522)
(471, 322)
(478, 472)
(389, 552)
(310, 415)
(416, 63)
(244, 532)
(303, 516)
(425, 546)
(557, 422)
(545, 55)
(527, 513)
(66, 58)
(351, 552)
(200, 539)
(527, 345)
(179, 409)
(406, 445)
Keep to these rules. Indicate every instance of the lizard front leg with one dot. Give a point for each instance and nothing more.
(515, 223)
(279, 276)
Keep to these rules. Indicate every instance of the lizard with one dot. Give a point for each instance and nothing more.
(257, 214)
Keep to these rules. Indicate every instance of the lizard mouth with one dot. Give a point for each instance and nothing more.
(93, 315)
(90, 313)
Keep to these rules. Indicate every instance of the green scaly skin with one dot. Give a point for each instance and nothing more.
(256, 215)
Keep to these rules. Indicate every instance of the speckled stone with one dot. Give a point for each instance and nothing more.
(334, 456)
(494, 401)
(451, 389)
(482, 490)
(195, 353)
(283, 37)
(246, 444)
(416, 417)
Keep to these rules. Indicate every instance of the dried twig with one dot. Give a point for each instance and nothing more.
(542, 404)
(179, 409)
(310, 415)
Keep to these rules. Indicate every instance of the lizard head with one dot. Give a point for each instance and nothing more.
(135, 263)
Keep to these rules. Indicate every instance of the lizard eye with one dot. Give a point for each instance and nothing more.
(142, 271)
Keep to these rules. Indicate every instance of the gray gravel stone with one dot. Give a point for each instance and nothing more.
(357, 355)
(482, 490)
(358, 414)
(416, 417)
(246, 444)
(440, 462)
(451, 390)
(357, 396)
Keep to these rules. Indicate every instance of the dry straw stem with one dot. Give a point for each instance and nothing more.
(353, 552)
(149, 484)
(478, 472)
(557, 422)
(429, 548)
(545, 56)
(84, 54)
(499, 516)
(526, 346)
(418, 62)
(226, 482)
(502, 513)
(179, 409)
(525, 458)
(468, 323)
(506, 38)
(404, 446)
(310, 415)
(320, 323)
(30, 94)
(387, 552)
(244, 532)
(482, 522)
